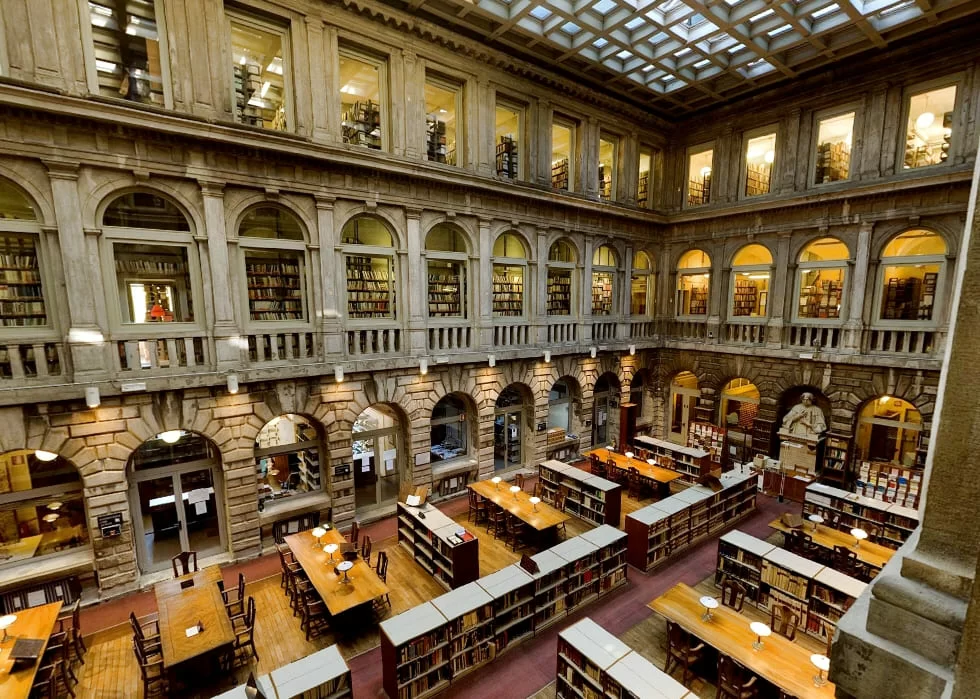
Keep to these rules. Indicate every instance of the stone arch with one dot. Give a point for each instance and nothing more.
(574, 241)
(398, 235)
(470, 235)
(107, 192)
(41, 200)
(800, 244)
(707, 247)
(237, 212)
(529, 249)
(887, 231)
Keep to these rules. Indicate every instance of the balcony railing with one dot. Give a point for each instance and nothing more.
(687, 329)
(562, 333)
(642, 329)
(39, 360)
(511, 335)
(823, 337)
(604, 331)
(744, 333)
(162, 355)
(365, 343)
(449, 338)
(915, 342)
(269, 348)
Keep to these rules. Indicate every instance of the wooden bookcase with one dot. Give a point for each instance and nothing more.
(559, 174)
(506, 158)
(275, 289)
(508, 296)
(320, 674)
(445, 295)
(432, 541)
(762, 429)
(415, 653)
(835, 467)
(712, 439)
(757, 179)
(643, 190)
(559, 292)
(361, 124)
(888, 482)
(611, 544)
(512, 591)
(666, 528)
(699, 191)
(469, 613)
(818, 594)
(21, 295)
(369, 293)
(588, 497)
(581, 571)
(833, 162)
(594, 664)
(821, 301)
(888, 524)
(745, 299)
(602, 293)
(435, 140)
(694, 463)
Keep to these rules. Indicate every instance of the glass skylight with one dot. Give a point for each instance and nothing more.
(541, 13)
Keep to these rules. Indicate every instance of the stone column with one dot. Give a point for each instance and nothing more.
(589, 249)
(874, 120)
(717, 293)
(624, 285)
(330, 271)
(323, 83)
(226, 341)
(86, 343)
(416, 277)
(858, 292)
(484, 286)
(540, 307)
(782, 275)
(628, 170)
(541, 165)
(587, 158)
(480, 127)
(414, 70)
(399, 88)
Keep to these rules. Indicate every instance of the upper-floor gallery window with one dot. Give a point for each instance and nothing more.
(369, 255)
(274, 251)
(608, 151)
(641, 286)
(126, 48)
(644, 186)
(760, 154)
(699, 164)
(563, 154)
(260, 72)
(604, 265)
(822, 272)
(912, 267)
(693, 283)
(833, 152)
(930, 127)
(443, 105)
(362, 99)
(446, 254)
(509, 275)
(21, 291)
(509, 125)
(751, 272)
(561, 267)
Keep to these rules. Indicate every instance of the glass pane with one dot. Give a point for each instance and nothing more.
(161, 521)
(600, 431)
(200, 511)
(602, 293)
(643, 189)
(388, 485)
(914, 243)
(366, 230)
(508, 290)
(751, 294)
(930, 127)
(509, 245)
(638, 294)
(821, 292)
(360, 102)
(154, 283)
(561, 251)
(507, 439)
(909, 292)
(834, 148)
(445, 238)
(144, 210)
(13, 204)
(448, 438)
(562, 156)
(270, 222)
(508, 131)
(824, 249)
(694, 259)
(559, 292)
(275, 285)
(182, 447)
(607, 168)
(604, 256)
(559, 415)
(447, 289)
(692, 294)
(699, 178)
(441, 108)
(370, 287)
(127, 50)
(365, 474)
(759, 156)
(260, 89)
(21, 291)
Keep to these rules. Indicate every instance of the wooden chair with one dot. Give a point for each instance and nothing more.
(597, 467)
(635, 483)
(355, 530)
(560, 506)
(234, 600)
(516, 532)
(478, 507)
(152, 672)
(382, 570)
(286, 560)
(733, 594)
(315, 617)
(184, 563)
(57, 654)
(680, 652)
(69, 620)
(801, 543)
(846, 561)
(298, 584)
(366, 549)
(520, 480)
(244, 628)
(498, 522)
(732, 681)
(783, 620)
(146, 634)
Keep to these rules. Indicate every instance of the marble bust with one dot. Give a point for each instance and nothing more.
(804, 419)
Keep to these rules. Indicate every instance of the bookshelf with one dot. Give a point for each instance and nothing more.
(610, 543)
(320, 675)
(559, 174)
(21, 294)
(658, 532)
(745, 300)
(834, 466)
(588, 497)
(581, 571)
(361, 124)
(694, 463)
(699, 191)
(275, 288)
(928, 298)
(508, 295)
(369, 291)
(928, 153)
(605, 182)
(889, 524)
(436, 545)
(512, 591)
(594, 664)
(602, 293)
(506, 158)
(559, 292)
(821, 300)
(549, 588)
(415, 653)
(762, 429)
(712, 439)
(757, 179)
(904, 298)
(469, 613)
(446, 294)
(887, 482)
(818, 594)
(833, 162)
(435, 140)
(643, 190)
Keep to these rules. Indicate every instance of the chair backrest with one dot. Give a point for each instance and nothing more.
(679, 640)
(594, 462)
(366, 547)
(137, 629)
(846, 561)
(354, 531)
(250, 615)
(634, 475)
(184, 562)
(519, 480)
(796, 541)
(731, 675)
(382, 566)
(733, 594)
(241, 586)
(783, 620)
(474, 498)
(560, 501)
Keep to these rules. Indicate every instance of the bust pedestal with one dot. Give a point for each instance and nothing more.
(798, 455)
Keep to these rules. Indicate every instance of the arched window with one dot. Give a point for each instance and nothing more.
(509, 428)
(561, 287)
(912, 267)
(376, 449)
(41, 506)
(446, 255)
(605, 410)
(684, 394)
(288, 460)
(604, 267)
(155, 260)
(739, 404)
(693, 283)
(369, 259)
(751, 272)
(822, 273)
(889, 429)
(639, 395)
(274, 251)
(22, 294)
(509, 276)
(448, 434)
(642, 287)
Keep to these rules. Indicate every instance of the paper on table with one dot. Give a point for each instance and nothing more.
(192, 631)
(413, 500)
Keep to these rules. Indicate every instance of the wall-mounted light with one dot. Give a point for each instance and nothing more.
(492, 360)
(547, 355)
(338, 373)
(632, 350)
(45, 455)
(170, 436)
(232, 383)
(593, 352)
(92, 397)
(423, 366)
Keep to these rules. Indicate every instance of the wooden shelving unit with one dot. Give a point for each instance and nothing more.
(712, 439)
(887, 523)
(445, 295)
(275, 290)
(506, 158)
(821, 301)
(909, 299)
(605, 182)
(415, 653)
(746, 300)
(369, 292)
(320, 674)
(21, 294)
(508, 296)
(469, 612)
(762, 429)
(699, 191)
(435, 140)
(559, 292)
(694, 463)
(835, 466)
(833, 162)
(611, 544)
(559, 174)
(602, 293)
(361, 124)
(436, 546)
(512, 590)
(588, 497)
(887, 482)
(818, 594)
(757, 179)
(660, 531)
(643, 190)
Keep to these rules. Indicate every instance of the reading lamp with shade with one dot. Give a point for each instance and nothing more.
(330, 550)
(317, 533)
(5, 623)
(344, 567)
(651, 462)
(761, 631)
(816, 519)
(515, 489)
(709, 603)
(496, 482)
(859, 536)
(822, 663)
(534, 500)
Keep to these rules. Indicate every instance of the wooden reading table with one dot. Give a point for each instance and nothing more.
(781, 662)
(870, 554)
(35, 622)
(658, 474)
(364, 585)
(181, 609)
(540, 519)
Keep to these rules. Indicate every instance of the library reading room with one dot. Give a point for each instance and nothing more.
(397, 349)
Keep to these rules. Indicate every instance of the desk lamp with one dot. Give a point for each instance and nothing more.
(816, 519)
(317, 533)
(708, 603)
(515, 489)
(859, 536)
(822, 663)
(534, 502)
(343, 567)
(629, 459)
(496, 482)
(330, 549)
(5, 623)
(761, 631)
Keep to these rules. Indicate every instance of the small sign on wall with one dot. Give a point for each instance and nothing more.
(341, 471)
(110, 525)
(542, 426)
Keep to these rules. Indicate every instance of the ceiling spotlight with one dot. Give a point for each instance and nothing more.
(338, 373)
(924, 120)
(170, 436)
(232, 383)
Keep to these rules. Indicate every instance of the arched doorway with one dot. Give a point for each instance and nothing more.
(376, 450)
(605, 410)
(509, 427)
(684, 394)
(889, 430)
(176, 498)
(288, 460)
(739, 406)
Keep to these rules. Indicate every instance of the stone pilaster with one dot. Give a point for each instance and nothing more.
(782, 276)
(858, 291)
(226, 341)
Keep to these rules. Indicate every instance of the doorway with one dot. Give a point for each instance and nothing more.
(684, 394)
(605, 415)
(176, 494)
(508, 429)
(375, 450)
